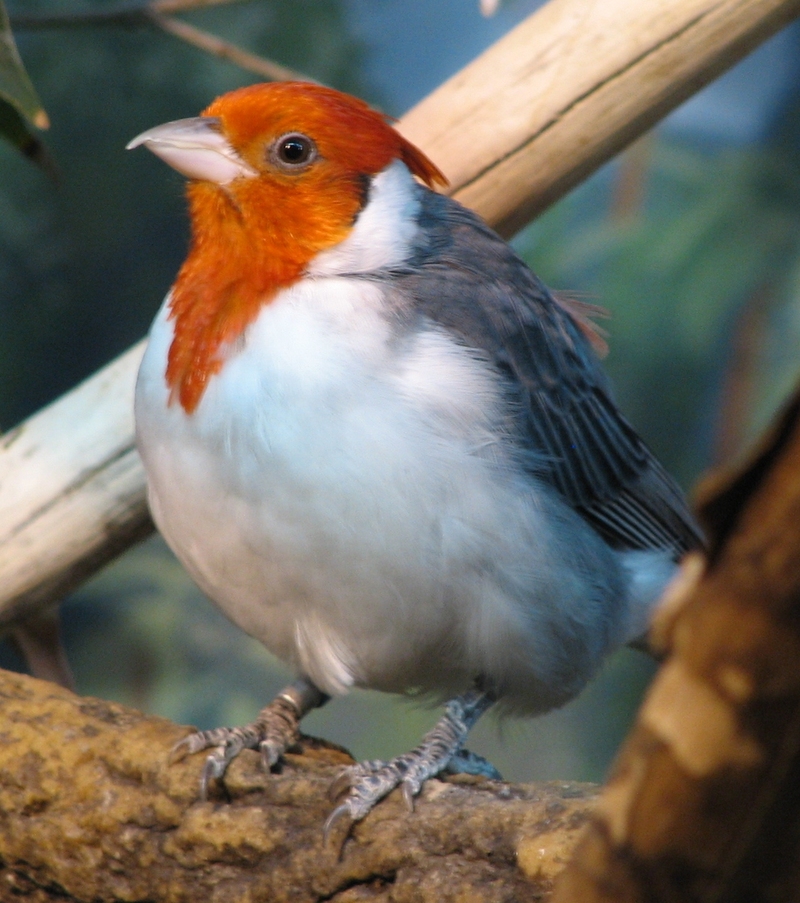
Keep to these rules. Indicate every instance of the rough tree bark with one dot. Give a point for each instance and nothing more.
(91, 811)
(704, 802)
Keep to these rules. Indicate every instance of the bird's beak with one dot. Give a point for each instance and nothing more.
(196, 148)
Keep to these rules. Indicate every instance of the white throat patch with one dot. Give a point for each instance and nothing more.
(384, 231)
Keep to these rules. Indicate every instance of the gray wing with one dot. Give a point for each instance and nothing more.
(465, 278)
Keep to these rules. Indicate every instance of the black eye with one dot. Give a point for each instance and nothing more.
(293, 151)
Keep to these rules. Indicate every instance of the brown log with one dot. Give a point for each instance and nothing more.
(704, 802)
(91, 810)
(514, 130)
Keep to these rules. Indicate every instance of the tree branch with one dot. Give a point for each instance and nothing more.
(573, 85)
(704, 801)
(125, 14)
(91, 809)
(159, 14)
(215, 46)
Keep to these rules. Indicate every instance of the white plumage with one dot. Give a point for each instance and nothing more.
(343, 493)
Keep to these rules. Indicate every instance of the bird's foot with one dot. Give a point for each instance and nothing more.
(363, 785)
(466, 762)
(274, 731)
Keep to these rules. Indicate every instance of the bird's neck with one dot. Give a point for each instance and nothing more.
(234, 267)
(242, 254)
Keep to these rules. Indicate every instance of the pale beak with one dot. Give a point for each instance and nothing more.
(196, 148)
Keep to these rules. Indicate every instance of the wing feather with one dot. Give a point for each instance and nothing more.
(466, 279)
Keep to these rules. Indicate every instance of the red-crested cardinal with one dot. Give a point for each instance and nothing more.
(377, 441)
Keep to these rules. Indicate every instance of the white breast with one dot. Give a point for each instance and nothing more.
(344, 494)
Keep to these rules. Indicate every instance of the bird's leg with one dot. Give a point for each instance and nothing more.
(275, 730)
(441, 750)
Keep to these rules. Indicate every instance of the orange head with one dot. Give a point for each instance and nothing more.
(279, 172)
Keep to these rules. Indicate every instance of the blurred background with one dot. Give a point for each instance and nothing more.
(691, 240)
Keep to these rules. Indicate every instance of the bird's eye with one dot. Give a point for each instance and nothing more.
(293, 151)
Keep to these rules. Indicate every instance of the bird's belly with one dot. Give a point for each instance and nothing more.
(352, 508)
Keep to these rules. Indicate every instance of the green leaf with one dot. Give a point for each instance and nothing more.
(20, 106)
(14, 128)
(15, 86)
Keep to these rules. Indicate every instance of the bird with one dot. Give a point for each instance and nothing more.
(380, 444)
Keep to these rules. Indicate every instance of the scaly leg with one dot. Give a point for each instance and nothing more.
(441, 749)
(273, 732)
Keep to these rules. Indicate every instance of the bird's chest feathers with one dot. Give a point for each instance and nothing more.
(324, 388)
(311, 360)
(242, 256)
(278, 404)
(322, 462)
(235, 267)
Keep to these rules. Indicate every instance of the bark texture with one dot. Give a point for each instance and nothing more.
(92, 811)
(704, 803)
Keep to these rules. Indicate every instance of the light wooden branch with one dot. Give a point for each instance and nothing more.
(514, 130)
(570, 87)
(71, 489)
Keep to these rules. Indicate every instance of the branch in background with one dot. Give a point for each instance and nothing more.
(38, 640)
(630, 185)
(741, 374)
(69, 506)
(170, 7)
(130, 14)
(570, 87)
(215, 46)
(160, 14)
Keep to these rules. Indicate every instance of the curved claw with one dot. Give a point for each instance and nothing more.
(217, 763)
(467, 762)
(409, 792)
(270, 754)
(331, 822)
(197, 742)
(214, 767)
(367, 783)
(274, 731)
